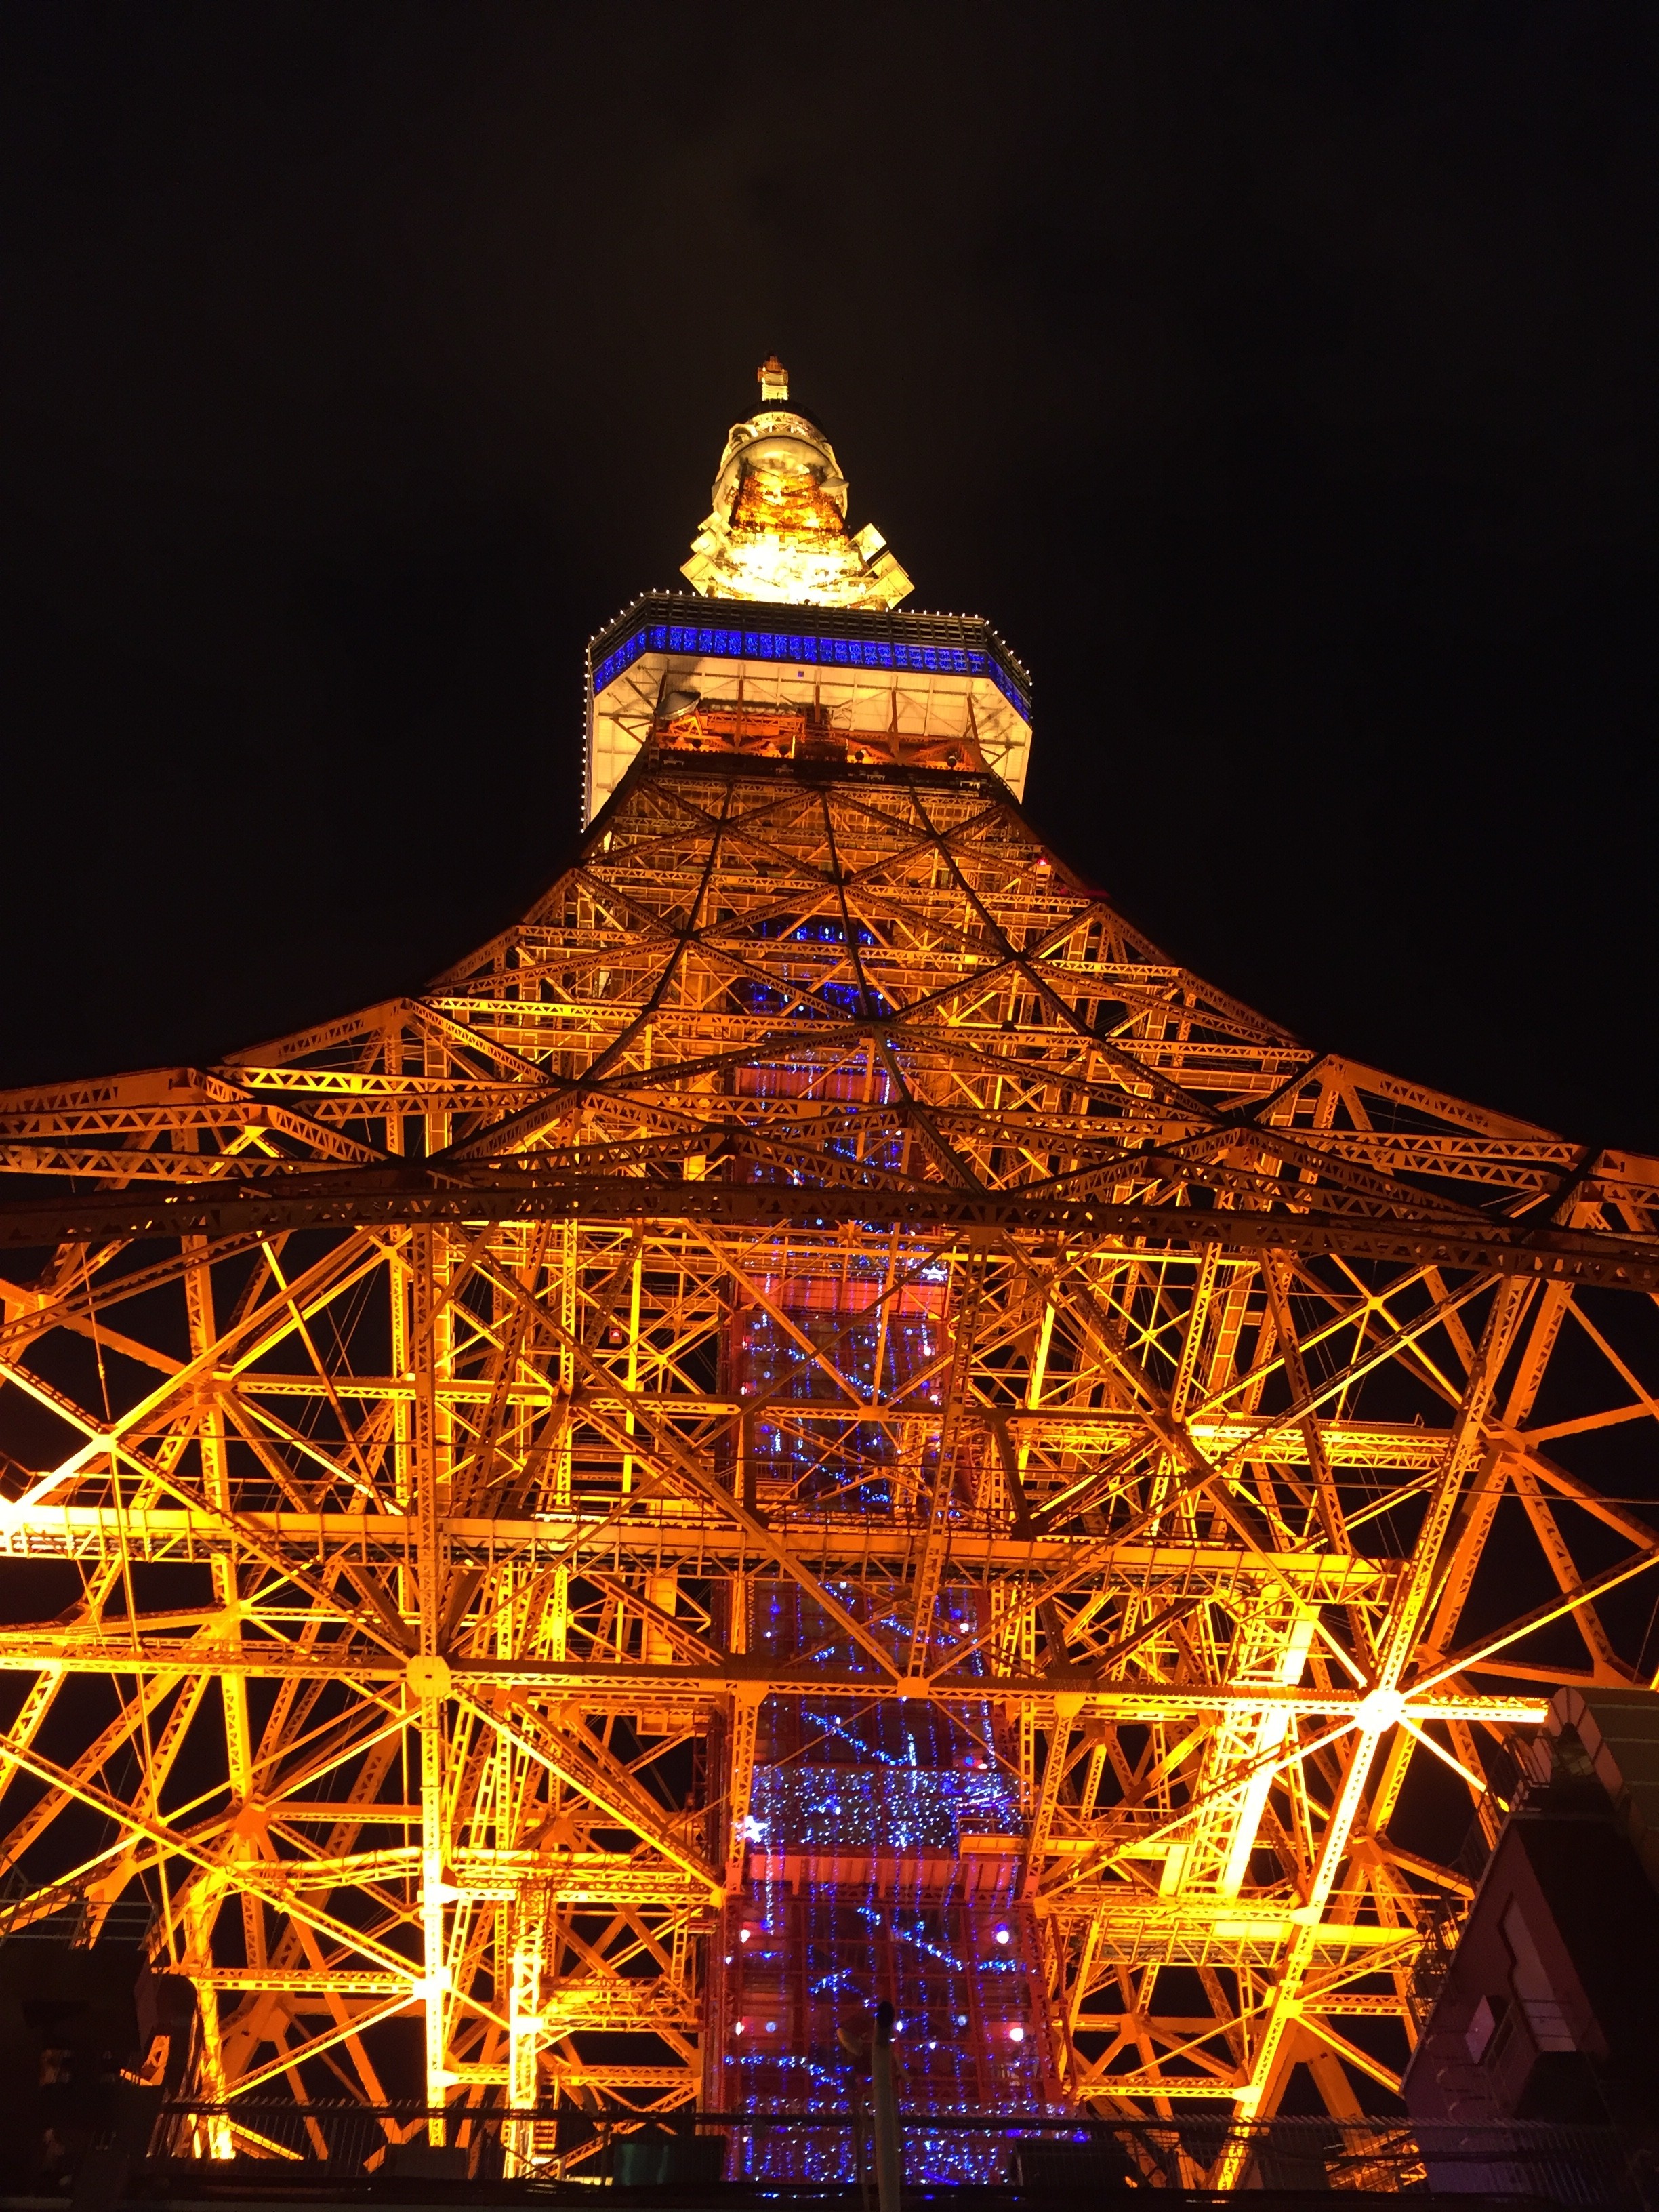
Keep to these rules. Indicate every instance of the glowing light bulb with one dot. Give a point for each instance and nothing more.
(1001, 1935)
(1017, 2035)
(1379, 1709)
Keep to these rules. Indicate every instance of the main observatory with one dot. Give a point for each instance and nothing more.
(816, 1421)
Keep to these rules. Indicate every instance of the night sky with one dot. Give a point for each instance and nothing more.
(1279, 379)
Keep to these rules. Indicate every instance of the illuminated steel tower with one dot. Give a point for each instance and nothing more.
(816, 1420)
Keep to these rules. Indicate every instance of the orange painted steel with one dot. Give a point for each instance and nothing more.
(1200, 1440)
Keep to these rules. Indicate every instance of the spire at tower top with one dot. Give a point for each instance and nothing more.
(776, 529)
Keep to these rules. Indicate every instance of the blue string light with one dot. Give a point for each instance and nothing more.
(857, 1883)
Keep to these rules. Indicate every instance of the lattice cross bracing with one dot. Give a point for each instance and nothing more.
(817, 1420)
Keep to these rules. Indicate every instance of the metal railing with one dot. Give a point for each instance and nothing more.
(77, 1922)
(292, 2143)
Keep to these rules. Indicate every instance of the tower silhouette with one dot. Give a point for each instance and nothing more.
(816, 1421)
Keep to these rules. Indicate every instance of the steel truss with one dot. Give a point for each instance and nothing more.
(821, 1209)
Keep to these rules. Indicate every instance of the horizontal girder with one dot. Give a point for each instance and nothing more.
(1536, 1251)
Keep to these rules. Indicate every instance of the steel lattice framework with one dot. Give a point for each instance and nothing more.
(822, 1296)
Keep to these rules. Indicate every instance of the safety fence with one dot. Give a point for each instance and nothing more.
(1560, 2164)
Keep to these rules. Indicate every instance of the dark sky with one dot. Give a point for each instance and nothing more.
(1279, 378)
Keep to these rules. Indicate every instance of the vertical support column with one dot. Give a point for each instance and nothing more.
(970, 1291)
(1096, 1734)
(557, 1627)
(429, 1671)
(1277, 1270)
(435, 1966)
(681, 1954)
(562, 1292)
(1085, 1965)
(746, 1700)
(738, 1601)
(519, 1936)
(738, 1589)
(200, 1914)
(746, 1492)
(398, 1300)
(635, 1286)
(227, 1590)
(1067, 1705)
(1181, 1390)
(524, 2025)
(1051, 2029)
(509, 1763)
(437, 1322)
(1038, 1376)
(1271, 1731)
(1025, 1659)
(888, 2164)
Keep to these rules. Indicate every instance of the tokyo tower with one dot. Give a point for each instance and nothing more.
(816, 1421)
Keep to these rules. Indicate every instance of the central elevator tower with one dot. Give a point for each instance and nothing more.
(870, 1850)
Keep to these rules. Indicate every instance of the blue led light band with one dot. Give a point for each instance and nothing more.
(765, 645)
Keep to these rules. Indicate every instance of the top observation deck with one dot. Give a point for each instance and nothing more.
(922, 690)
(808, 655)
